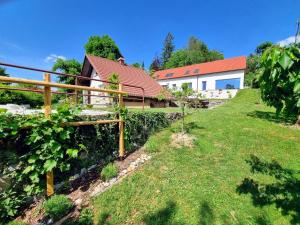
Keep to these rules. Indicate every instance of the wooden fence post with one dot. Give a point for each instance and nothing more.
(47, 108)
(121, 126)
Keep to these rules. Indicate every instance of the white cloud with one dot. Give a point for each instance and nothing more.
(288, 41)
(54, 58)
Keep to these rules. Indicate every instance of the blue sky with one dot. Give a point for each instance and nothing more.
(31, 31)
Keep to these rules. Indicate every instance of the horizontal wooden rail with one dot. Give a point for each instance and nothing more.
(58, 85)
(85, 123)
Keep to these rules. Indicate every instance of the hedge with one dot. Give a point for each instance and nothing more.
(100, 141)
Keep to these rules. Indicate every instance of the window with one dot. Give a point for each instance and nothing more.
(203, 85)
(174, 86)
(196, 71)
(228, 83)
(169, 75)
(165, 86)
(186, 72)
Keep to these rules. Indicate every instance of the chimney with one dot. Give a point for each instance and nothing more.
(121, 60)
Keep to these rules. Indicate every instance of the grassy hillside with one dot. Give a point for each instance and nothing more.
(199, 185)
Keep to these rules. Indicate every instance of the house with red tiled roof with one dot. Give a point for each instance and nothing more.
(216, 79)
(136, 82)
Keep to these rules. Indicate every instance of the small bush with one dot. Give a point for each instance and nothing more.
(86, 217)
(109, 171)
(57, 206)
(3, 110)
(16, 223)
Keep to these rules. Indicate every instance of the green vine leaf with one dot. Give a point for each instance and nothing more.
(285, 61)
(32, 159)
(73, 153)
(50, 164)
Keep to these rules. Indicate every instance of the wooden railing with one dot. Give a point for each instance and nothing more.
(47, 84)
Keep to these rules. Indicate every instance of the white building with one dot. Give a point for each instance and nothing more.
(142, 89)
(218, 79)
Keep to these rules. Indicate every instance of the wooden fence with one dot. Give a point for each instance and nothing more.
(47, 84)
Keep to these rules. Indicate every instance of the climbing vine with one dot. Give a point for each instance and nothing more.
(48, 141)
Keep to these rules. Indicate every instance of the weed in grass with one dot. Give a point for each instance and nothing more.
(57, 206)
(110, 171)
(86, 217)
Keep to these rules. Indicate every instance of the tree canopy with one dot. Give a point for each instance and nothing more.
(103, 46)
(280, 79)
(253, 64)
(196, 52)
(70, 66)
(168, 48)
(262, 47)
(156, 64)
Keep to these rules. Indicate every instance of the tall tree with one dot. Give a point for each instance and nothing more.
(194, 44)
(3, 72)
(196, 52)
(156, 64)
(168, 48)
(103, 46)
(70, 66)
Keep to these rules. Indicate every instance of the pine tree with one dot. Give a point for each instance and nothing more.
(167, 49)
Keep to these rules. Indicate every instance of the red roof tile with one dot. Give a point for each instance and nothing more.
(237, 63)
(127, 75)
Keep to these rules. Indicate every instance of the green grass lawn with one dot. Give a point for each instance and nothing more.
(199, 185)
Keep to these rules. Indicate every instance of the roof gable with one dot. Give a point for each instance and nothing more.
(231, 64)
(127, 74)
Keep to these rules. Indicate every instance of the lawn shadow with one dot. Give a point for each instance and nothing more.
(192, 126)
(284, 192)
(273, 117)
(206, 214)
(163, 216)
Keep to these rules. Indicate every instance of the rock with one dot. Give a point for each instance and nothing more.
(122, 173)
(76, 176)
(92, 167)
(105, 184)
(130, 168)
(83, 171)
(78, 201)
(50, 221)
(59, 185)
(113, 180)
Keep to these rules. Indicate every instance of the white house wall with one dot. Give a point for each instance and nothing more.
(102, 101)
(210, 79)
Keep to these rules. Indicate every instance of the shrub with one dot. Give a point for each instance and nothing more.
(21, 97)
(3, 110)
(86, 217)
(109, 171)
(16, 223)
(57, 206)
